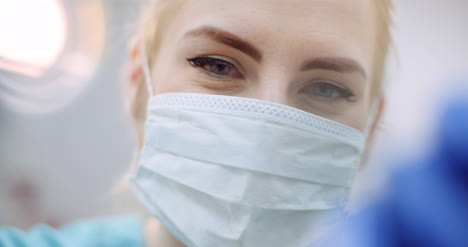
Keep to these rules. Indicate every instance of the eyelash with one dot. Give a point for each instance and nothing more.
(201, 62)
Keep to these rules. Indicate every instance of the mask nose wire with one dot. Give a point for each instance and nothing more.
(146, 70)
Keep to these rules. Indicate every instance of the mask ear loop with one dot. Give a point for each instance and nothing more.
(350, 203)
(372, 117)
(146, 70)
(149, 87)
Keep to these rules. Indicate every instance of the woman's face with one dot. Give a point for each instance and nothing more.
(315, 55)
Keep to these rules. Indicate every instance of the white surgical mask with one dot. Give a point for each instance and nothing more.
(221, 171)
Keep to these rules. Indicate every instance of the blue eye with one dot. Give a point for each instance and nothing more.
(329, 91)
(215, 66)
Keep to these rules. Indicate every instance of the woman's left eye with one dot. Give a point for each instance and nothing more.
(215, 66)
(329, 91)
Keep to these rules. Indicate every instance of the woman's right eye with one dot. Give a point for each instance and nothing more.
(215, 67)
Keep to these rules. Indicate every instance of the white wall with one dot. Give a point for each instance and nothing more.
(431, 41)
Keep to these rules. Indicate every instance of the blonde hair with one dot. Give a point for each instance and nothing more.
(384, 40)
(155, 19)
(160, 12)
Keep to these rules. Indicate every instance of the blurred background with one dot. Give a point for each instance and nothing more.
(65, 139)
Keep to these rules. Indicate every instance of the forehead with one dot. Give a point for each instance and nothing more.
(295, 27)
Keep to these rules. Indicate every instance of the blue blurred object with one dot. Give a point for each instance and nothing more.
(121, 231)
(427, 202)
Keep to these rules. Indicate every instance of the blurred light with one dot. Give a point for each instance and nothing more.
(49, 51)
(33, 35)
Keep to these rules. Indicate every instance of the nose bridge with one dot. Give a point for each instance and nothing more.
(273, 90)
(275, 77)
(273, 87)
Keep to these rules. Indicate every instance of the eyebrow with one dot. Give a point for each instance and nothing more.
(228, 39)
(338, 64)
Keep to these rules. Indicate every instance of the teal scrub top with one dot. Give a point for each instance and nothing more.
(124, 231)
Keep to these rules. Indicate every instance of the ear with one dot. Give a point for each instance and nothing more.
(134, 74)
(373, 129)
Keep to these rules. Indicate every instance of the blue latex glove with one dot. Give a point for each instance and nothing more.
(427, 203)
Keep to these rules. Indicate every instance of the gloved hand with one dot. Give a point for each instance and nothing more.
(427, 201)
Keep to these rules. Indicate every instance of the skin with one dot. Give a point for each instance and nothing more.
(315, 55)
